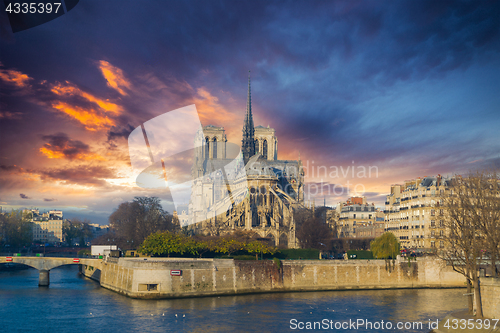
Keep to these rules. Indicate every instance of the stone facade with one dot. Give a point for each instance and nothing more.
(47, 227)
(153, 278)
(490, 297)
(247, 189)
(357, 218)
(414, 212)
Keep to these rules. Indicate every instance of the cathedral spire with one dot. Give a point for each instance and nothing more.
(248, 141)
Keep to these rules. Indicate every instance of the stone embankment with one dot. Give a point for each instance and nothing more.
(173, 278)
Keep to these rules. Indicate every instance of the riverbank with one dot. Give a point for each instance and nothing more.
(156, 278)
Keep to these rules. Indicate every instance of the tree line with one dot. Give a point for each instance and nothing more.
(166, 243)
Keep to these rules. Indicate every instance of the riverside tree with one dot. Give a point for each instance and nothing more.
(386, 247)
(15, 230)
(471, 221)
(76, 229)
(166, 243)
(136, 220)
(312, 231)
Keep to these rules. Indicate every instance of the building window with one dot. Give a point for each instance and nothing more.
(264, 149)
(433, 244)
(214, 155)
(432, 233)
(433, 223)
(441, 223)
(433, 212)
(207, 148)
(441, 244)
(441, 233)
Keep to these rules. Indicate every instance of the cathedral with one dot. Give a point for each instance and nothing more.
(245, 188)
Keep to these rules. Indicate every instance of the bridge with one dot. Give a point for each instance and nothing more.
(45, 264)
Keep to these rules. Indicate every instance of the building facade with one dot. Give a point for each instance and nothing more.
(354, 214)
(414, 212)
(47, 227)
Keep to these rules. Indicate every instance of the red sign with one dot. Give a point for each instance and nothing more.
(8, 259)
(76, 260)
(175, 272)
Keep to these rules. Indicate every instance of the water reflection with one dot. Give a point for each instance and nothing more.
(76, 303)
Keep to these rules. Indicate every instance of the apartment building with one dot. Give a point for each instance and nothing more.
(47, 227)
(353, 214)
(414, 212)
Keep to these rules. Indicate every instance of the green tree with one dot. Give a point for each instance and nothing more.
(386, 247)
(257, 247)
(205, 244)
(228, 245)
(166, 243)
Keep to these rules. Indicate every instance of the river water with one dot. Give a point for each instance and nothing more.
(73, 303)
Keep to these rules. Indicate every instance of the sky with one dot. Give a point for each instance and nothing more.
(402, 89)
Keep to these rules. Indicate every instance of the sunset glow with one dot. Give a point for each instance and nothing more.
(408, 88)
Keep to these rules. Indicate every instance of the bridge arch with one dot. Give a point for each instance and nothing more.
(45, 264)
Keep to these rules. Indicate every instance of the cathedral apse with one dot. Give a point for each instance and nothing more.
(245, 188)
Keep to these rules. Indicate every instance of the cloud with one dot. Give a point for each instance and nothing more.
(81, 175)
(14, 78)
(70, 90)
(49, 200)
(61, 146)
(209, 109)
(9, 168)
(115, 77)
(94, 113)
(117, 132)
(24, 196)
(90, 117)
(10, 115)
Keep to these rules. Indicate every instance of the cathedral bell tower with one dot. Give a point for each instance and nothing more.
(248, 141)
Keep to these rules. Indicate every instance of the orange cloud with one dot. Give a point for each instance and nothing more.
(70, 90)
(52, 153)
(14, 77)
(211, 112)
(115, 77)
(90, 118)
(209, 109)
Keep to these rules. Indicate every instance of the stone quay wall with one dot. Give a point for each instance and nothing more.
(156, 277)
(490, 297)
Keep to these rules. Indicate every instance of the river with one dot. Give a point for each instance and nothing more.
(73, 303)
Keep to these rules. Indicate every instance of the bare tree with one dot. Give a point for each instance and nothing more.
(136, 220)
(312, 231)
(463, 241)
(487, 204)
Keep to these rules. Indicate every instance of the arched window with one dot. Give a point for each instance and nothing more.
(207, 147)
(214, 155)
(264, 149)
